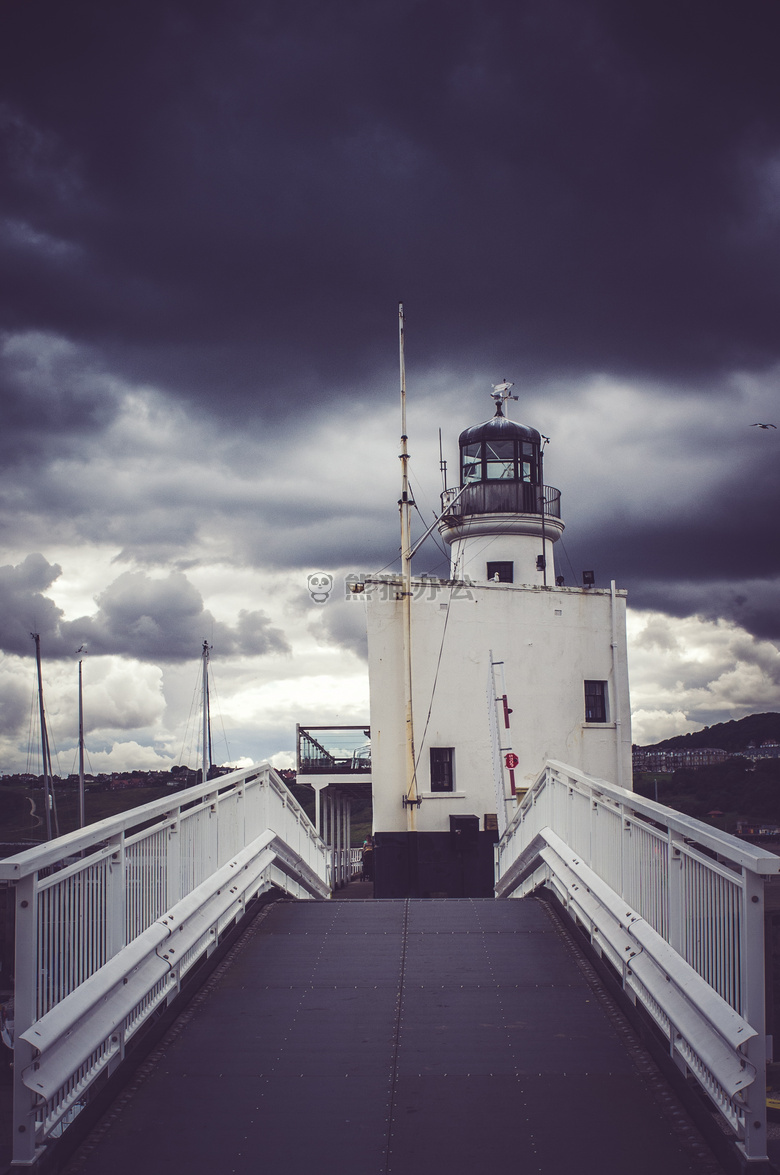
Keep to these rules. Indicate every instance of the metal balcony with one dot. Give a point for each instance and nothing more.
(504, 497)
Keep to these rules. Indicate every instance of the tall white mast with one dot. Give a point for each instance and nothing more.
(82, 813)
(205, 764)
(48, 781)
(411, 799)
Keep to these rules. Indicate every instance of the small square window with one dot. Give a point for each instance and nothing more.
(595, 701)
(441, 768)
(501, 572)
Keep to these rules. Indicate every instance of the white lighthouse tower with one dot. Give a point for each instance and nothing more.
(502, 626)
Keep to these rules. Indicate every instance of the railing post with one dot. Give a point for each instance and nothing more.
(626, 871)
(263, 803)
(753, 1009)
(332, 859)
(241, 829)
(337, 840)
(344, 878)
(173, 864)
(674, 890)
(116, 898)
(211, 862)
(25, 1015)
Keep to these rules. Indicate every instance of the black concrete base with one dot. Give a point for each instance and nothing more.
(433, 865)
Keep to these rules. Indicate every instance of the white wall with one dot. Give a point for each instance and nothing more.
(512, 538)
(550, 639)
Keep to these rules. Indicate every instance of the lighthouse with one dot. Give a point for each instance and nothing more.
(502, 523)
(480, 678)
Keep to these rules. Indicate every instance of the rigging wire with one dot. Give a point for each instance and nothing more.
(33, 743)
(219, 713)
(446, 558)
(439, 548)
(421, 744)
(568, 560)
(189, 733)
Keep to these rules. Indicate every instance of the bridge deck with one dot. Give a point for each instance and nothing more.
(397, 1037)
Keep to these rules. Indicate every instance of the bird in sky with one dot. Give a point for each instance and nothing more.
(758, 425)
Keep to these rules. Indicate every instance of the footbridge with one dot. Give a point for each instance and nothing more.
(188, 996)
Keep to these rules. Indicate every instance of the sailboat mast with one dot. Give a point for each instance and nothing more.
(206, 721)
(82, 813)
(410, 799)
(44, 741)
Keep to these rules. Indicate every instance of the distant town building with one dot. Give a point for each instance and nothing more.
(756, 828)
(669, 760)
(767, 750)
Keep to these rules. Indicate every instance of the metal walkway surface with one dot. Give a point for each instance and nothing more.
(402, 1037)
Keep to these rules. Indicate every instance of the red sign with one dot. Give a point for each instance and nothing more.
(511, 761)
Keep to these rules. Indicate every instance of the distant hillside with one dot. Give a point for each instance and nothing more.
(729, 736)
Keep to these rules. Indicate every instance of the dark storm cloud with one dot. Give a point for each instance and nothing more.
(156, 620)
(161, 620)
(218, 200)
(753, 604)
(52, 398)
(344, 625)
(23, 606)
(690, 544)
(226, 203)
(14, 707)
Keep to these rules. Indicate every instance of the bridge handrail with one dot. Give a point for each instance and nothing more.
(99, 1017)
(738, 851)
(676, 906)
(91, 899)
(52, 852)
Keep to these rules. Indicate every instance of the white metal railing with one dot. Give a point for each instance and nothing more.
(354, 862)
(345, 865)
(111, 918)
(676, 906)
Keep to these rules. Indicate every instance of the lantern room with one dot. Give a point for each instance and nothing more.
(500, 450)
(503, 502)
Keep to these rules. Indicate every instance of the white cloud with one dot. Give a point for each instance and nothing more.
(128, 756)
(689, 673)
(238, 531)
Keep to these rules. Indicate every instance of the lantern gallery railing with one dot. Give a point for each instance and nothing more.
(503, 497)
(676, 907)
(110, 919)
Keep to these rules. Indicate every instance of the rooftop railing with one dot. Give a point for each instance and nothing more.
(503, 497)
(333, 750)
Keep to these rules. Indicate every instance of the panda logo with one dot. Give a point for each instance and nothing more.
(320, 586)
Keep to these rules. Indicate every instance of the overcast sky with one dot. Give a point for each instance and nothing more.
(209, 216)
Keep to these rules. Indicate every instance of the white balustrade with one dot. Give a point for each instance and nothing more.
(110, 918)
(676, 907)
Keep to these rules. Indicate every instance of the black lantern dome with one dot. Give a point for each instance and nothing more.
(502, 498)
(500, 450)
